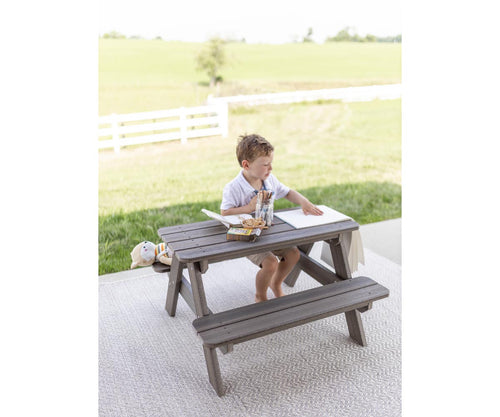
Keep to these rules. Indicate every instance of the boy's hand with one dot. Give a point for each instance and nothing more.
(310, 208)
(252, 204)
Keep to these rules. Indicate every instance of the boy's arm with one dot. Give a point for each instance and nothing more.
(249, 208)
(307, 207)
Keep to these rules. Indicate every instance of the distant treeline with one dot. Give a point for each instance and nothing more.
(345, 35)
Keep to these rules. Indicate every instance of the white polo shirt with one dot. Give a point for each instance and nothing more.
(239, 192)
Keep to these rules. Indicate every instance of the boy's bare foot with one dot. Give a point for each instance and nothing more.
(277, 290)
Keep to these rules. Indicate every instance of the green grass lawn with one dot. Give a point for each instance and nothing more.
(144, 75)
(344, 155)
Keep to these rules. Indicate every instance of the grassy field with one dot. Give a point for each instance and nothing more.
(144, 75)
(345, 155)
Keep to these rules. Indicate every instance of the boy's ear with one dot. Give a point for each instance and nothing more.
(245, 164)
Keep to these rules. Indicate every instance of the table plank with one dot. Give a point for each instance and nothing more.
(186, 227)
(207, 237)
(198, 226)
(216, 248)
(194, 234)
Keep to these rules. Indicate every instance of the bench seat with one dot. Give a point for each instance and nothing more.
(259, 319)
(160, 268)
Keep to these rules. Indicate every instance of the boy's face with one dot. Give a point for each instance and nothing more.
(260, 168)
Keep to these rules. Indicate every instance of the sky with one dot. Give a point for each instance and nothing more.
(264, 21)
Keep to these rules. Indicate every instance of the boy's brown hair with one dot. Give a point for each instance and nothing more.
(250, 147)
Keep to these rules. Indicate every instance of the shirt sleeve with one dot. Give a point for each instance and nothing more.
(228, 198)
(280, 190)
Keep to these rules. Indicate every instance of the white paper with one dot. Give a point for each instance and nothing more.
(232, 220)
(298, 219)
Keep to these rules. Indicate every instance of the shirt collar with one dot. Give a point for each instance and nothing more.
(249, 188)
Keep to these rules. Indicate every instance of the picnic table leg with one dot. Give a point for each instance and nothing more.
(339, 251)
(291, 279)
(213, 368)
(339, 257)
(200, 301)
(174, 284)
(194, 295)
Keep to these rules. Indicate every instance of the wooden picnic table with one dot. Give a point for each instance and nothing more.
(196, 245)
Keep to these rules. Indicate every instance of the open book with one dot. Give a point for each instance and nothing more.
(228, 221)
(298, 219)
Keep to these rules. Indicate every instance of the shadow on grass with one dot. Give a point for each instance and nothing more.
(366, 202)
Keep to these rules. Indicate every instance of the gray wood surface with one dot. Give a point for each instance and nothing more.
(174, 283)
(206, 241)
(339, 257)
(200, 301)
(259, 319)
(160, 268)
(196, 245)
(355, 326)
(214, 375)
(216, 248)
(291, 279)
(281, 303)
(316, 270)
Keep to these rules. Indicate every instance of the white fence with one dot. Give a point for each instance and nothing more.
(364, 93)
(117, 130)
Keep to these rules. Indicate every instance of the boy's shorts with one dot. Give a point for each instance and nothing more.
(259, 257)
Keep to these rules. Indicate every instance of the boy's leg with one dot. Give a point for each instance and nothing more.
(290, 258)
(269, 266)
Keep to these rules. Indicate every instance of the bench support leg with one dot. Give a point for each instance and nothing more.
(214, 375)
(174, 285)
(355, 326)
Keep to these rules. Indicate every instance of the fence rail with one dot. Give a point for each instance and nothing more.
(118, 130)
(347, 94)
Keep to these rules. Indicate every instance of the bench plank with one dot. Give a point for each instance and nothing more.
(260, 319)
(281, 303)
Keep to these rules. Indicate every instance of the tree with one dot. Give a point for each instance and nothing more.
(349, 35)
(211, 59)
(308, 38)
(113, 35)
(342, 36)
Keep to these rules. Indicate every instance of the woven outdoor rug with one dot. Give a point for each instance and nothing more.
(151, 364)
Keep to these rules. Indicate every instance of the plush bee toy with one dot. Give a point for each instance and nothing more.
(147, 253)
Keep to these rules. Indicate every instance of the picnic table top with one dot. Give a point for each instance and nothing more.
(206, 240)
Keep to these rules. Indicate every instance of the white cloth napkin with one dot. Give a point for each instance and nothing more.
(356, 252)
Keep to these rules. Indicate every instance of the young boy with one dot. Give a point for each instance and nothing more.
(255, 156)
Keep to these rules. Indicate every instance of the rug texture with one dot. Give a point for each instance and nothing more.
(152, 365)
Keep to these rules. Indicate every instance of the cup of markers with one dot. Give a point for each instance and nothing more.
(264, 208)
